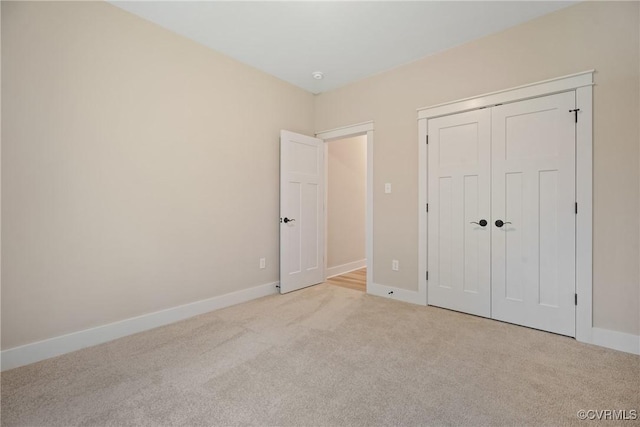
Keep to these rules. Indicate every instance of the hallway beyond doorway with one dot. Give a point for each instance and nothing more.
(356, 280)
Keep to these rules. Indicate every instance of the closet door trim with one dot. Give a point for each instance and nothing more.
(519, 93)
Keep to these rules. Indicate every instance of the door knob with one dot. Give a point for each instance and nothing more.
(482, 223)
(500, 223)
(287, 220)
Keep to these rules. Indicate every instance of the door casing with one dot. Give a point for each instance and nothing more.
(582, 84)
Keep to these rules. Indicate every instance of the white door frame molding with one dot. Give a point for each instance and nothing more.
(358, 129)
(582, 84)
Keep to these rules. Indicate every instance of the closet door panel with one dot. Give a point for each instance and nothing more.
(459, 198)
(533, 182)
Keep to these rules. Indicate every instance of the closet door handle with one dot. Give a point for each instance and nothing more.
(500, 223)
(482, 223)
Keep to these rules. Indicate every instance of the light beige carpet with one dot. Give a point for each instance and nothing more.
(325, 356)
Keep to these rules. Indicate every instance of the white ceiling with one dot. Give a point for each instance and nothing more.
(345, 40)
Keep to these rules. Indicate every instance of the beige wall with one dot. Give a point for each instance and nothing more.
(600, 35)
(139, 169)
(346, 200)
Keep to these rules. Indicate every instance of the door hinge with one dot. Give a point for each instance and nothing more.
(575, 110)
(427, 139)
(576, 299)
(427, 207)
(427, 275)
(576, 208)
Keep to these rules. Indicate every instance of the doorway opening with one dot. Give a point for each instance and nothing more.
(345, 211)
(303, 219)
(364, 131)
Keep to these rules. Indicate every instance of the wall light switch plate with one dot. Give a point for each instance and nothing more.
(387, 188)
(395, 265)
(263, 263)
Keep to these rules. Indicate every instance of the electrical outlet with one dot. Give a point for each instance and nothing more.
(263, 263)
(395, 265)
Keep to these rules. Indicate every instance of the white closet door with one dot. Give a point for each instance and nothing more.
(459, 201)
(533, 253)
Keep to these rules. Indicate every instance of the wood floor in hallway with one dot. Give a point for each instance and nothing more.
(356, 279)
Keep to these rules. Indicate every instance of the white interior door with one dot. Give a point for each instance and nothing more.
(533, 253)
(459, 212)
(301, 211)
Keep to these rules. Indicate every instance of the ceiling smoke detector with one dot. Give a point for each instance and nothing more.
(318, 75)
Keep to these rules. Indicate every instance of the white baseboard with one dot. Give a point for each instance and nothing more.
(628, 343)
(34, 352)
(399, 294)
(346, 268)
